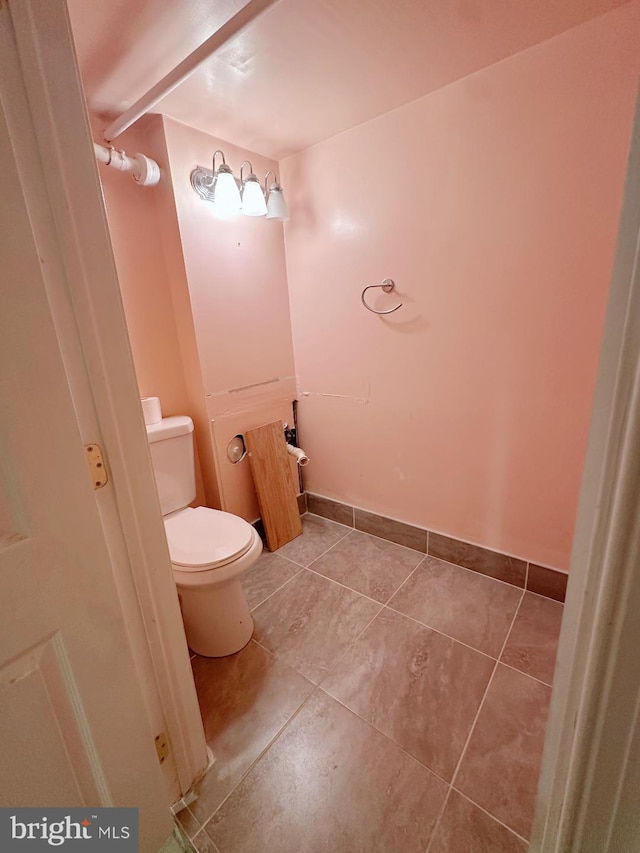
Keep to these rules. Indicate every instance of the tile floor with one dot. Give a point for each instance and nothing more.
(387, 702)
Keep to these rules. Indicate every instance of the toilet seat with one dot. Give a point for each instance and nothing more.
(201, 539)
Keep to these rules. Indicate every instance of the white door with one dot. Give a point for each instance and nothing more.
(73, 725)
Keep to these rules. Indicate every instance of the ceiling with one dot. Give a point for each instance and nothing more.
(305, 70)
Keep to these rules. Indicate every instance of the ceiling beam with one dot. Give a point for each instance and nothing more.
(234, 26)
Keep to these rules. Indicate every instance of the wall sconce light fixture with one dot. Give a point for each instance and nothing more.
(226, 195)
(229, 195)
(276, 205)
(253, 203)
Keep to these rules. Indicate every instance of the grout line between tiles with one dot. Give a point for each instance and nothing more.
(546, 597)
(260, 756)
(438, 819)
(390, 541)
(282, 585)
(302, 566)
(355, 591)
(442, 633)
(411, 573)
(288, 559)
(384, 735)
(404, 583)
(513, 622)
(477, 546)
(493, 817)
(486, 692)
(344, 586)
(197, 822)
(330, 520)
(264, 648)
(216, 849)
(212, 848)
(482, 574)
(295, 563)
(176, 817)
(334, 520)
(528, 674)
(464, 749)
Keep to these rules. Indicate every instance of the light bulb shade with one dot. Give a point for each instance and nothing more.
(226, 195)
(253, 203)
(277, 206)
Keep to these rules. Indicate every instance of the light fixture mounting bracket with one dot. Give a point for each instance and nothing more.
(202, 182)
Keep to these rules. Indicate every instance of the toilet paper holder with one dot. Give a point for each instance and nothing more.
(387, 285)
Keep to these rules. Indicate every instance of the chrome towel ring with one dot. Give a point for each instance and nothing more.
(387, 285)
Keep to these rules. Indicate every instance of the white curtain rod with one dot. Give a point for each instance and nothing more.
(144, 170)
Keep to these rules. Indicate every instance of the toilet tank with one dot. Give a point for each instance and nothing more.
(171, 445)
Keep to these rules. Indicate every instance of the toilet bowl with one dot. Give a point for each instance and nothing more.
(210, 550)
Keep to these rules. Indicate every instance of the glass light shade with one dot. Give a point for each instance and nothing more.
(277, 206)
(253, 203)
(226, 195)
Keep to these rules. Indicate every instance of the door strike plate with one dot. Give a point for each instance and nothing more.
(96, 465)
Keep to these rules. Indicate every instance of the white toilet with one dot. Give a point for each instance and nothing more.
(210, 550)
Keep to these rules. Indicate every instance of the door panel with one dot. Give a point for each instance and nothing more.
(74, 729)
(50, 749)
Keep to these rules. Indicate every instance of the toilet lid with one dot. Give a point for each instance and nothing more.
(204, 538)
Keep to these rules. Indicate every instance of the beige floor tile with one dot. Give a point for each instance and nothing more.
(204, 844)
(461, 603)
(464, 828)
(266, 576)
(330, 783)
(500, 767)
(418, 687)
(369, 565)
(311, 622)
(245, 699)
(533, 642)
(188, 823)
(318, 535)
(301, 772)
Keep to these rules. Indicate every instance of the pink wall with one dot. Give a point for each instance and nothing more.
(493, 203)
(237, 281)
(144, 281)
(230, 297)
(206, 303)
(148, 255)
